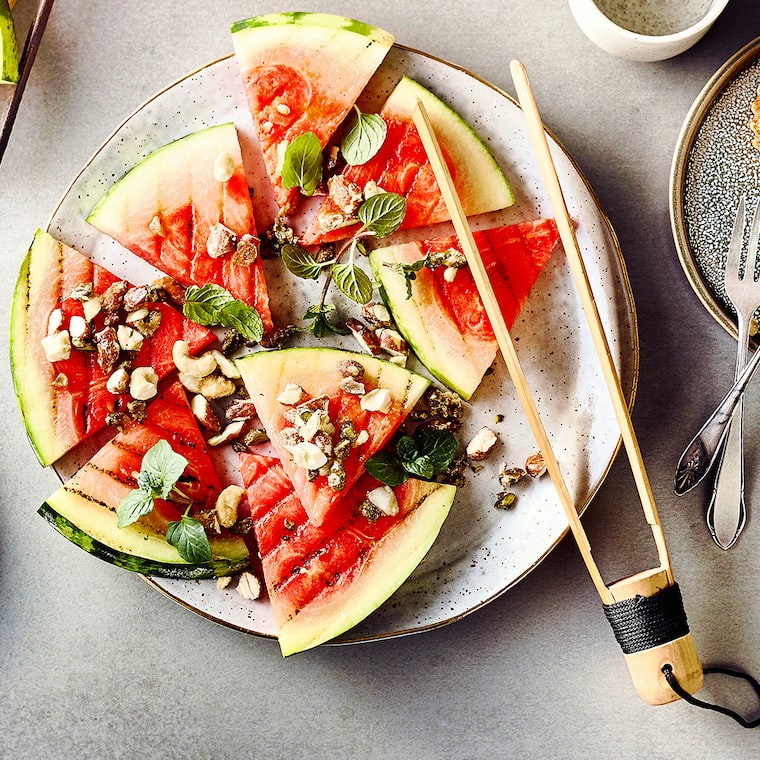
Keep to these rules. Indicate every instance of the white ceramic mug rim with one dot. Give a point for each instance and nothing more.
(707, 20)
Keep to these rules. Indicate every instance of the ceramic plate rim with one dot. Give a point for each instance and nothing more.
(632, 337)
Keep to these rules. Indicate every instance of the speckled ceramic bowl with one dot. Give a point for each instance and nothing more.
(714, 165)
(646, 30)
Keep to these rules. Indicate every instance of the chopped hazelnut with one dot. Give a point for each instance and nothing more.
(535, 465)
(221, 241)
(480, 446)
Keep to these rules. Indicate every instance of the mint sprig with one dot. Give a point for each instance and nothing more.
(380, 216)
(423, 455)
(160, 470)
(214, 305)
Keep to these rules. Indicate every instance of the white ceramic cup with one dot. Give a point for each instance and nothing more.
(631, 28)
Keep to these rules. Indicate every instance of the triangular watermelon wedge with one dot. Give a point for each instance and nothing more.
(302, 72)
(444, 321)
(322, 581)
(317, 372)
(84, 508)
(63, 402)
(167, 206)
(402, 166)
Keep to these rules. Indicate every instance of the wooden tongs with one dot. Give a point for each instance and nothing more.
(645, 609)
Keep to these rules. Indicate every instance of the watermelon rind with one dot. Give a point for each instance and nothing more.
(9, 53)
(228, 558)
(393, 560)
(33, 390)
(436, 342)
(310, 19)
(480, 182)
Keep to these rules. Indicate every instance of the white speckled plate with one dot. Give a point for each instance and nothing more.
(713, 166)
(481, 551)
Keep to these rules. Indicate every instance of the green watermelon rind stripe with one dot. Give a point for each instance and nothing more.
(136, 175)
(303, 18)
(213, 569)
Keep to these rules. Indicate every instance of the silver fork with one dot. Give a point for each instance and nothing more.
(727, 513)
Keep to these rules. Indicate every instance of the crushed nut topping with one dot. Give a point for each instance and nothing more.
(227, 503)
(221, 241)
(346, 195)
(156, 226)
(535, 465)
(246, 250)
(481, 444)
(351, 368)
(224, 167)
(249, 586)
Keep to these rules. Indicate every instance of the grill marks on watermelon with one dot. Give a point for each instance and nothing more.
(164, 208)
(445, 321)
(89, 499)
(309, 570)
(513, 255)
(316, 371)
(61, 414)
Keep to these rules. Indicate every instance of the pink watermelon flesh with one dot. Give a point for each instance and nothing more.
(445, 322)
(89, 499)
(315, 370)
(309, 570)
(303, 73)
(64, 402)
(164, 209)
(401, 166)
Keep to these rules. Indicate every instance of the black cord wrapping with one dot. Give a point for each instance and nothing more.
(645, 622)
(670, 677)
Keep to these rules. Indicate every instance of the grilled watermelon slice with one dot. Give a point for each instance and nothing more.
(84, 508)
(317, 372)
(302, 73)
(166, 207)
(401, 166)
(323, 580)
(444, 321)
(63, 402)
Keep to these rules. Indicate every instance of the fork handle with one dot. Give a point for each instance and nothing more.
(727, 513)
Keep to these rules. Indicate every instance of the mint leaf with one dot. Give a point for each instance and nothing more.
(161, 468)
(302, 163)
(133, 506)
(408, 272)
(203, 304)
(386, 467)
(440, 446)
(353, 282)
(242, 318)
(364, 138)
(421, 467)
(321, 325)
(213, 305)
(383, 213)
(189, 538)
(301, 263)
(406, 448)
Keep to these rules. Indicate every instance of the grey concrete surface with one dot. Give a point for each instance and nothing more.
(94, 663)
